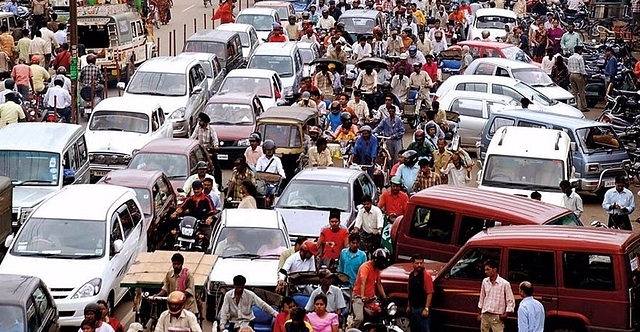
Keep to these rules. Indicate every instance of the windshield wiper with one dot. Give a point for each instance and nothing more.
(309, 207)
(176, 176)
(83, 256)
(35, 181)
(112, 129)
(286, 74)
(223, 123)
(243, 255)
(265, 256)
(37, 254)
(152, 93)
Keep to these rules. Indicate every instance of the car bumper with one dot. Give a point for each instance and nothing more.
(98, 170)
(180, 128)
(604, 181)
(71, 312)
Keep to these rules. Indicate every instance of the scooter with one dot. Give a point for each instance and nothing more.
(410, 110)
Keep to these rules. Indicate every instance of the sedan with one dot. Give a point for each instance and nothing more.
(306, 201)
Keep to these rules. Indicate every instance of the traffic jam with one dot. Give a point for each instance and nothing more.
(319, 166)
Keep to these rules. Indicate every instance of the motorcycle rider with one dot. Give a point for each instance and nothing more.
(292, 28)
(237, 306)
(201, 169)
(408, 171)
(268, 162)
(368, 282)
(198, 205)
(365, 149)
(302, 261)
(421, 81)
(421, 146)
(176, 316)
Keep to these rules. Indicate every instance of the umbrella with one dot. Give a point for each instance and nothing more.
(372, 61)
(339, 65)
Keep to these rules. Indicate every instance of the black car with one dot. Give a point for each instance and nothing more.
(26, 305)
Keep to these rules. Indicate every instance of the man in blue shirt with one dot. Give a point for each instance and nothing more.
(409, 170)
(611, 65)
(351, 258)
(333, 118)
(619, 203)
(12, 7)
(530, 311)
(393, 127)
(365, 149)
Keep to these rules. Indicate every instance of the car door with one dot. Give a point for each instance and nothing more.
(166, 128)
(218, 74)
(45, 310)
(117, 261)
(257, 108)
(471, 121)
(133, 227)
(197, 100)
(34, 321)
(499, 89)
(253, 40)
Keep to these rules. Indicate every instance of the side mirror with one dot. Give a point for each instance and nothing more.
(68, 179)
(479, 163)
(574, 183)
(120, 85)
(196, 90)
(118, 245)
(135, 152)
(8, 241)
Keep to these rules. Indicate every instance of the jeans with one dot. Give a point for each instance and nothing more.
(24, 91)
(394, 146)
(64, 113)
(419, 323)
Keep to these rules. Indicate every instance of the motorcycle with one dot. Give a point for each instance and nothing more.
(190, 235)
(579, 18)
(377, 313)
(410, 109)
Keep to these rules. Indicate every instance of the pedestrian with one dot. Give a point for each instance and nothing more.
(39, 10)
(335, 299)
(51, 44)
(458, 174)
(619, 203)
(237, 305)
(369, 223)
(10, 111)
(23, 46)
(6, 41)
(419, 295)
(496, 299)
(332, 240)
(180, 278)
(466, 59)
(5, 65)
(577, 78)
(240, 173)
(530, 310)
(368, 283)
(61, 34)
(570, 40)
(540, 42)
(560, 72)
(393, 128)
(426, 178)
(555, 34)
(249, 194)
(441, 159)
(548, 61)
(610, 67)
(393, 202)
(63, 58)
(571, 200)
(352, 258)
(38, 47)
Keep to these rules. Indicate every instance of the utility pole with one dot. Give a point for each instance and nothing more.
(74, 72)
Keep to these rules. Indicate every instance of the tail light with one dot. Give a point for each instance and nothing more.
(51, 118)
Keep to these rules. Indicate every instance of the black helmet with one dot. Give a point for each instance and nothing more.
(268, 145)
(410, 158)
(381, 258)
(201, 165)
(95, 308)
(292, 17)
(306, 14)
(345, 117)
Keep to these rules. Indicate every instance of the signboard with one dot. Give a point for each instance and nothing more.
(103, 10)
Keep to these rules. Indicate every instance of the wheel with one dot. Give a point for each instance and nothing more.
(111, 302)
(210, 313)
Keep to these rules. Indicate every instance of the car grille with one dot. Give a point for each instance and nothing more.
(227, 143)
(61, 293)
(66, 313)
(109, 158)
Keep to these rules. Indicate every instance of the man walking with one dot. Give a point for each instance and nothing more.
(619, 204)
(420, 293)
(496, 299)
(577, 78)
(571, 200)
(530, 311)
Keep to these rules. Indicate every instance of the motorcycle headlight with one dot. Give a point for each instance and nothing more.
(243, 142)
(178, 114)
(92, 288)
(392, 309)
(187, 231)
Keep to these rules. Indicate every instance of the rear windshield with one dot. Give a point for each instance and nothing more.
(93, 36)
(218, 49)
(283, 135)
(568, 219)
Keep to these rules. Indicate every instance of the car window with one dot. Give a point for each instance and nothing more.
(470, 226)
(478, 87)
(70, 160)
(116, 230)
(485, 69)
(200, 154)
(475, 51)
(193, 160)
(531, 124)
(214, 68)
(499, 122)
(41, 301)
(502, 72)
(588, 271)
(126, 221)
(134, 211)
(493, 106)
(33, 320)
(253, 36)
(468, 107)
(537, 267)
(82, 151)
(161, 116)
(432, 224)
(498, 89)
(368, 188)
(161, 193)
(470, 265)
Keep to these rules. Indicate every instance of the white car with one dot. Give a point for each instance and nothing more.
(261, 19)
(260, 237)
(492, 20)
(308, 52)
(264, 83)
(212, 68)
(508, 87)
(117, 127)
(81, 252)
(521, 71)
(248, 37)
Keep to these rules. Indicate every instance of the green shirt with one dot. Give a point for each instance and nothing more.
(23, 48)
(424, 150)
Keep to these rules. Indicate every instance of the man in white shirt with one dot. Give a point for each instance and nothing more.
(400, 85)
(9, 86)
(361, 49)
(326, 21)
(574, 4)
(359, 106)
(62, 74)
(237, 305)
(268, 162)
(58, 100)
(335, 299)
(570, 199)
(369, 219)
(50, 39)
(176, 316)
(302, 261)
(61, 34)
(38, 46)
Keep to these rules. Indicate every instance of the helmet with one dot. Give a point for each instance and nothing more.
(95, 308)
(201, 165)
(345, 117)
(381, 258)
(61, 70)
(175, 302)
(410, 157)
(340, 25)
(365, 128)
(254, 137)
(306, 14)
(310, 246)
(292, 17)
(413, 49)
(314, 129)
(268, 145)
(419, 135)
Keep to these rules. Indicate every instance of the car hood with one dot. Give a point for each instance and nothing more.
(54, 272)
(395, 277)
(168, 104)
(116, 142)
(563, 109)
(30, 196)
(263, 35)
(259, 272)
(267, 102)
(551, 197)
(307, 222)
(233, 133)
(554, 92)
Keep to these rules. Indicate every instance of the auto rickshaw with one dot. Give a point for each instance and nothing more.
(287, 127)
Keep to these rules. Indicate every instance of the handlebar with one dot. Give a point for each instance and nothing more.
(383, 137)
(148, 297)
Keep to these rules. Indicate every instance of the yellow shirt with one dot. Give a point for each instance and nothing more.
(420, 18)
(10, 112)
(23, 48)
(39, 76)
(440, 160)
(319, 159)
(349, 136)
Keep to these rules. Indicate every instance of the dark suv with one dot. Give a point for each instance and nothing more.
(26, 301)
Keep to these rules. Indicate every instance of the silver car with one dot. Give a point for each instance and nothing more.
(212, 68)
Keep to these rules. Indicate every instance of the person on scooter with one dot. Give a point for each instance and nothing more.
(421, 81)
(408, 171)
(270, 163)
(423, 148)
(58, 100)
(415, 56)
(201, 169)
(198, 205)
(179, 278)
(368, 283)
(176, 316)
(346, 131)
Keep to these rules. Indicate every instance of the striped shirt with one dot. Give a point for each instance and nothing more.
(576, 64)
(496, 297)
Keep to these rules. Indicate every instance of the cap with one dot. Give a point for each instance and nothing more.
(332, 2)
(314, 129)
(403, 56)
(417, 64)
(396, 180)
(306, 95)
(365, 128)
(196, 184)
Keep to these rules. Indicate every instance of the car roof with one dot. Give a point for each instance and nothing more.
(260, 218)
(16, 289)
(232, 98)
(124, 104)
(305, 45)
(507, 63)
(501, 206)
(329, 174)
(480, 78)
(275, 48)
(93, 202)
(200, 56)
(132, 178)
(169, 145)
(212, 35)
(550, 118)
(480, 43)
(235, 27)
(288, 113)
(569, 238)
(495, 12)
(37, 136)
(259, 73)
(364, 13)
(258, 11)
(548, 142)
(477, 95)
(167, 64)
(271, 3)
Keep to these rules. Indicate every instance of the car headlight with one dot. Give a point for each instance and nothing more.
(92, 288)
(571, 101)
(24, 214)
(592, 168)
(178, 114)
(91, 157)
(392, 309)
(243, 142)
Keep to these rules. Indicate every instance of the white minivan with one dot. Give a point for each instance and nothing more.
(80, 242)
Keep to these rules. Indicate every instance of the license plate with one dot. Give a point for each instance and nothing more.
(99, 173)
(223, 157)
(610, 183)
(114, 72)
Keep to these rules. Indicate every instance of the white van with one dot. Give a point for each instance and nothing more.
(521, 160)
(80, 242)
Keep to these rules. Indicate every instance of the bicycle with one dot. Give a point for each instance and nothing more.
(147, 309)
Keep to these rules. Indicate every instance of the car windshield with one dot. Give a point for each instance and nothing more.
(261, 87)
(229, 114)
(175, 166)
(158, 84)
(206, 65)
(307, 55)
(250, 241)
(144, 197)
(515, 53)
(358, 25)
(61, 238)
(529, 92)
(11, 318)
(523, 173)
(30, 168)
(282, 10)
(536, 77)
(120, 121)
(280, 64)
(259, 22)
(218, 49)
(598, 139)
(315, 195)
(281, 135)
(494, 22)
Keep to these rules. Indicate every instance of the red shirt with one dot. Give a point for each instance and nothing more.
(224, 13)
(394, 169)
(369, 273)
(278, 39)
(62, 59)
(393, 204)
(431, 70)
(333, 242)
